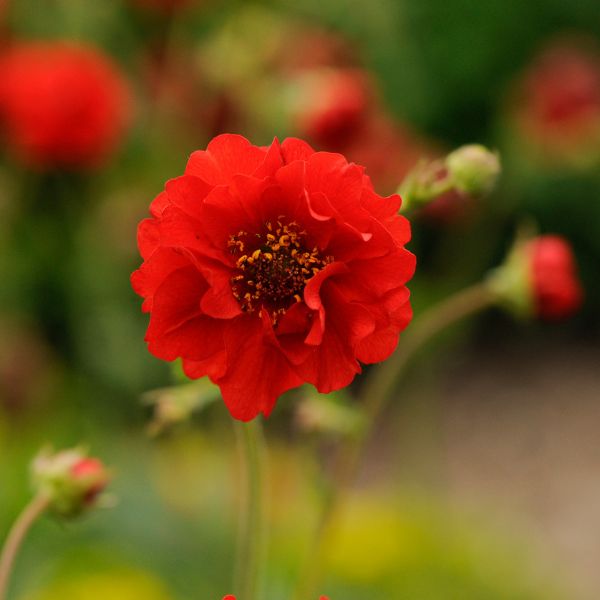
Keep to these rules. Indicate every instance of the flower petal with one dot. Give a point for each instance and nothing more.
(225, 156)
(258, 373)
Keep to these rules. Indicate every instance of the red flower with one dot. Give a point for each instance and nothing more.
(557, 292)
(335, 106)
(564, 88)
(265, 268)
(62, 105)
(559, 103)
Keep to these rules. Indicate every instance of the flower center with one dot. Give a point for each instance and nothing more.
(273, 267)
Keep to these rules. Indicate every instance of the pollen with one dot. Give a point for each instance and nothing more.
(273, 267)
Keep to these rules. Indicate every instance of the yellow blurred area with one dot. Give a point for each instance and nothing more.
(117, 585)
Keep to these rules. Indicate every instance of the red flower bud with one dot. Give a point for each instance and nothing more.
(92, 474)
(538, 278)
(62, 105)
(557, 291)
(70, 480)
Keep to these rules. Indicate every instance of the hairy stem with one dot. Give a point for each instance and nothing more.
(253, 525)
(374, 397)
(15, 538)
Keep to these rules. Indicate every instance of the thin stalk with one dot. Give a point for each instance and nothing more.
(15, 538)
(253, 526)
(373, 398)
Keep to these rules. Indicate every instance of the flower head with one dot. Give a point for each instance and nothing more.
(265, 268)
(539, 278)
(473, 169)
(332, 105)
(563, 89)
(557, 292)
(62, 105)
(558, 103)
(71, 480)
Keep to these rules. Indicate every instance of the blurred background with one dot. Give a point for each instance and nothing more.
(484, 482)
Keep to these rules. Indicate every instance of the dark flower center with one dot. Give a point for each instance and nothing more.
(273, 267)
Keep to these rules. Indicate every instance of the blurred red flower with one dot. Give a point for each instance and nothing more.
(556, 288)
(559, 102)
(62, 105)
(265, 268)
(333, 106)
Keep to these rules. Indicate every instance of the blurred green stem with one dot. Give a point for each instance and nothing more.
(252, 534)
(374, 396)
(15, 538)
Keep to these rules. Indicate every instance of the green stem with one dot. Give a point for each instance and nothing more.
(253, 526)
(15, 538)
(374, 397)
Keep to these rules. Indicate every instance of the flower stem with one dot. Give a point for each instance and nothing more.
(382, 379)
(16, 536)
(252, 532)
(373, 397)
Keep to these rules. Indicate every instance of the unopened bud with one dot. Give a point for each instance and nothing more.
(176, 404)
(71, 480)
(473, 169)
(538, 279)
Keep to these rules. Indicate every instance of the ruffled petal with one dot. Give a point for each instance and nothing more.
(159, 204)
(187, 193)
(257, 373)
(148, 237)
(151, 275)
(294, 149)
(177, 326)
(225, 156)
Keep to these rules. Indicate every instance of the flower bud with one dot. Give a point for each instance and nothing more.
(70, 480)
(539, 278)
(556, 286)
(424, 183)
(473, 169)
(175, 405)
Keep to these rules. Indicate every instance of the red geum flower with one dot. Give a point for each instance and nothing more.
(559, 103)
(265, 268)
(62, 105)
(557, 292)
